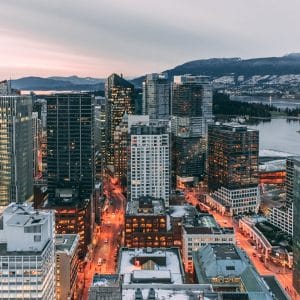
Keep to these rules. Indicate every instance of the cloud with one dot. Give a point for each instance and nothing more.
(97, 37)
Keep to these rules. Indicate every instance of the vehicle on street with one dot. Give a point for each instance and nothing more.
(99, 261)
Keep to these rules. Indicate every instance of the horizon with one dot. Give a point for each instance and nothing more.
(89, 38)
(139, 75)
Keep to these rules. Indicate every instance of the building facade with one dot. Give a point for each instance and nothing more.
(66, 250)
(233, 167)
(191, 110)
(156, 96)
(119, 95)
(70, 145)
(296, 227)
(16, 179)
(146, 224)
(27, 254)
(149, 162)
(199, 230)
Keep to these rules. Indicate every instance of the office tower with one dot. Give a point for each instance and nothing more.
(119, 95)
(27, 255)
(66, 251)
(121, 144)
(191, 109)
(70, 145)
(296, 229)
(233, 167)
(70, 163)
(100, 139)
(36, 142)
(149, 162)
(16, 149)
(5, 87)
(156, 96)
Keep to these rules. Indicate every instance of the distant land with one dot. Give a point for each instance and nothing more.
(268, 70)
(57, 83)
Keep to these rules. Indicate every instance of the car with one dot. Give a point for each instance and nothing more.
(99, 261)
(106, 241)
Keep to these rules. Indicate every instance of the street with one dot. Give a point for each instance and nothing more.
(243, 242)
(108, 237)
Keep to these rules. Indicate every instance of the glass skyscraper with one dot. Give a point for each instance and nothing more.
(16, 161)
(156, 96)
(191, 109)
(70, 146)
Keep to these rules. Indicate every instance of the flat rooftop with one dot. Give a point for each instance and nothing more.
(65, 242)
(146, 206)
(106, 280)
(4, 252)
(202, 223)
(167, 291)
(151, 265)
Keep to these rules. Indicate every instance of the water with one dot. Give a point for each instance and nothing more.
(277, 102)
(279, 134)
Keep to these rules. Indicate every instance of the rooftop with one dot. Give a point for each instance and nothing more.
(106, 280)
(146, 206)
(4, 252)
(166, 291)
(151, 265)
(202, 223)
(66, 242)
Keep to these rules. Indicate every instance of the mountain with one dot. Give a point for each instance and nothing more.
(72, 83)
(79, 80)
(218, 67)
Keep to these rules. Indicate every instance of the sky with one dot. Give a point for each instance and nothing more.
(98, 37)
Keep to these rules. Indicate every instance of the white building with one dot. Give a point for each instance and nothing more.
(149, 173)
(237, 201)
(27, 255)
(282, 217)
(199, 230)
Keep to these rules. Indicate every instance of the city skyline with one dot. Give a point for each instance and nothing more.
(96, 39)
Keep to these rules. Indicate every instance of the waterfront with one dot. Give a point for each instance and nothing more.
(279, 134)
(277, 102)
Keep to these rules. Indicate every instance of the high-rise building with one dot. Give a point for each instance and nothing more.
(16, 183)
(296, 229)
(191, 109)
(70, 145)
(100, 139)
(233, 167)
(121, 144)
(149, 172)
(27, 254)
(36, 151)
(156, 96)
(119, 95)
(70, 163)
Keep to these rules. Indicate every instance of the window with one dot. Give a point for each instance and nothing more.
(37, 238)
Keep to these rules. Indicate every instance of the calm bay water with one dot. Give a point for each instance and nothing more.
(279, 134)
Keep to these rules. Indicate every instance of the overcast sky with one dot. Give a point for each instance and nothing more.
(133, 37)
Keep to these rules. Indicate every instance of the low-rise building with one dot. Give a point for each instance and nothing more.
(147, 224)
(67, 263)
(282, 217)
(27, 254)
(199, 230)
(105, 287)
(228, 270)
